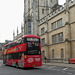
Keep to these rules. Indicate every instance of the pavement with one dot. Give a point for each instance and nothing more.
(60, 64)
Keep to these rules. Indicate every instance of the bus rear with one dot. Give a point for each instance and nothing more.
(33, 52)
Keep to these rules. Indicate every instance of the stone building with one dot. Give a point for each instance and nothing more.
(29, 11)
(18, 37)
(8, 41)
(57, 33)
(54, 24)
(1, 52)
(34, 10)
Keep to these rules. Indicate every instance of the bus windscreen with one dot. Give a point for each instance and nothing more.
(33, 46)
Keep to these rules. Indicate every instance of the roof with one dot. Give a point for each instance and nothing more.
(9, 44)
(31, 36)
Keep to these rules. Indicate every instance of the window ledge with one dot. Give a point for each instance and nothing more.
(57, 43)
(57, 28)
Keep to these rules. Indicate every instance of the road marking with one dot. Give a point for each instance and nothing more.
(65, 68)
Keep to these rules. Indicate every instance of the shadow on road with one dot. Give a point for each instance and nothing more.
(30, 68)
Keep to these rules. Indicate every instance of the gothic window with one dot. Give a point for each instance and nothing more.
(59, 23)
(43, 42)
(54, 39)
(29, 27)
(42, 31)
(60, 37)
(42, 11)
(53, 25)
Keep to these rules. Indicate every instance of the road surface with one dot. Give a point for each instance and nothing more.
(44, 70)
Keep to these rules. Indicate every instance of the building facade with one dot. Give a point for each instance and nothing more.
(34, 10)
(54, 24)
(18, 37)
(29, 11)
(1, 52)
(57, 33)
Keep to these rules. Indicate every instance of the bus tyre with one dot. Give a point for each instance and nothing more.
(16, 65)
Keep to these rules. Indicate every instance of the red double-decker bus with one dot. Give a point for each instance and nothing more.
(27, 53)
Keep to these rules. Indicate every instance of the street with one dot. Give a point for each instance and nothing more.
(44, 70)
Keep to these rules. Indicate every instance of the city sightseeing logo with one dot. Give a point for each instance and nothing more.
(30, 60)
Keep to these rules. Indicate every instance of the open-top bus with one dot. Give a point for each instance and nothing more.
(27, 53)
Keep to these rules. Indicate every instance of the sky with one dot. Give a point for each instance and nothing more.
(11, 16)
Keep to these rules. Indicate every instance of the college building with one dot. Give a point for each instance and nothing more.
(34, 10)
(1, 52)
(54, 24)
(57, 33)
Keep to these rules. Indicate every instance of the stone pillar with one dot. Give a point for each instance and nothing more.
(67, 43)
(67, 34)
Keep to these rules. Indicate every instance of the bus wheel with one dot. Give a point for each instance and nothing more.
(16, 65)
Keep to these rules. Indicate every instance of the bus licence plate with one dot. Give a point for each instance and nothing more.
(34, 65)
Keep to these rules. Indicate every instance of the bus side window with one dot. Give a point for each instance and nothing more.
(4, 57)
(4, 47)
(20, 54)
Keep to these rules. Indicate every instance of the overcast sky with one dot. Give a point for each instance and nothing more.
(11, 16)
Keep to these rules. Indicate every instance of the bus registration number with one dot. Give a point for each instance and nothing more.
(34, 65)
